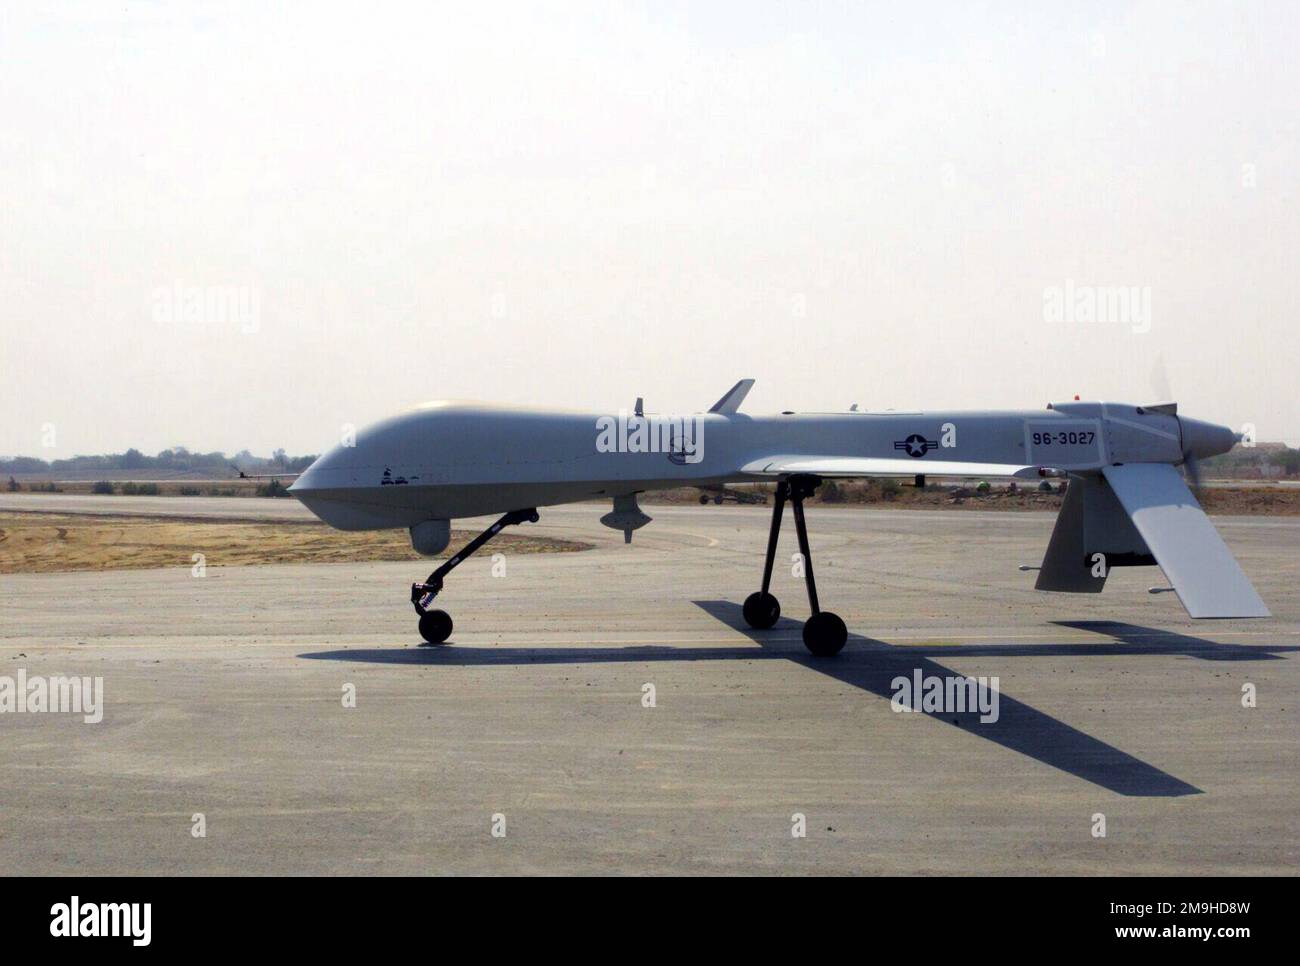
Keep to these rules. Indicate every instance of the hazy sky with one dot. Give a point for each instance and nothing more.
(230, 227)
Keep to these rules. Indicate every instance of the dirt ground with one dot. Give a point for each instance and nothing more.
(1285, 502)
(47, 543)
(1234, 501)
(41, 542)
(1227, 500)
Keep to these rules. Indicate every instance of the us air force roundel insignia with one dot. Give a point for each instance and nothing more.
(916, 445)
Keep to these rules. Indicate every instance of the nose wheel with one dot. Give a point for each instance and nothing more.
(436, 625)
(824, 633)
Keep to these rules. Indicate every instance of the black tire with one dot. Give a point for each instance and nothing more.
(704, 498)
(435, 626)
(761, 610)
(824, 634)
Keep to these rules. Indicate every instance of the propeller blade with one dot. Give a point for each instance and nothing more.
(1193, 476)
(1160, 380)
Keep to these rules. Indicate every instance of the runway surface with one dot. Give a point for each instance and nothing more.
(223, 696)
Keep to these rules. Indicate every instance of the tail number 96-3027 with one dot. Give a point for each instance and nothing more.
(1074, 443)
(1085, 437)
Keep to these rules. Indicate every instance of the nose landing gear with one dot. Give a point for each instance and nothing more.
(435, 625)
(824, 634)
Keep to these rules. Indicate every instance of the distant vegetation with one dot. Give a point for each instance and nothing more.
(1264, 461)
(177, 461)
(274, 488)
(130, 488)
(139, 489)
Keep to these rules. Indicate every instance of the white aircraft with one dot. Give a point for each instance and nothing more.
(1126, 504)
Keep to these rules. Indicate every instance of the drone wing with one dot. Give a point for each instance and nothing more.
(868, 466)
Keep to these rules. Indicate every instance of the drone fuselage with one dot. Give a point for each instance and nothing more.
(450, 460)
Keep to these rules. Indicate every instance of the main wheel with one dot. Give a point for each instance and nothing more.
(435, 626)
(824, 634)
(761, 610)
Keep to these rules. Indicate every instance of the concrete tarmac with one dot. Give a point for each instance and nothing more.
(224, 697)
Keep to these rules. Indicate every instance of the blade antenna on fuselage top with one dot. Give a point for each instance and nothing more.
(735, 396)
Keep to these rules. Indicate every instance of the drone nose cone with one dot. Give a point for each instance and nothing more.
(307, 480)
(1202, 440)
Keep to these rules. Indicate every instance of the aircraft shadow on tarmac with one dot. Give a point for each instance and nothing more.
(872, 666)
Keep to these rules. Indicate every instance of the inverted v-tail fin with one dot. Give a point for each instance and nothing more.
(1093, 534)
(1207, 578)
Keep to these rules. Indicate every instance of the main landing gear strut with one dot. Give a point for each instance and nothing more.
(824, 633)
(435, 625)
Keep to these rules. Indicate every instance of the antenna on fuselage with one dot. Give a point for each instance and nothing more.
(730, 403)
